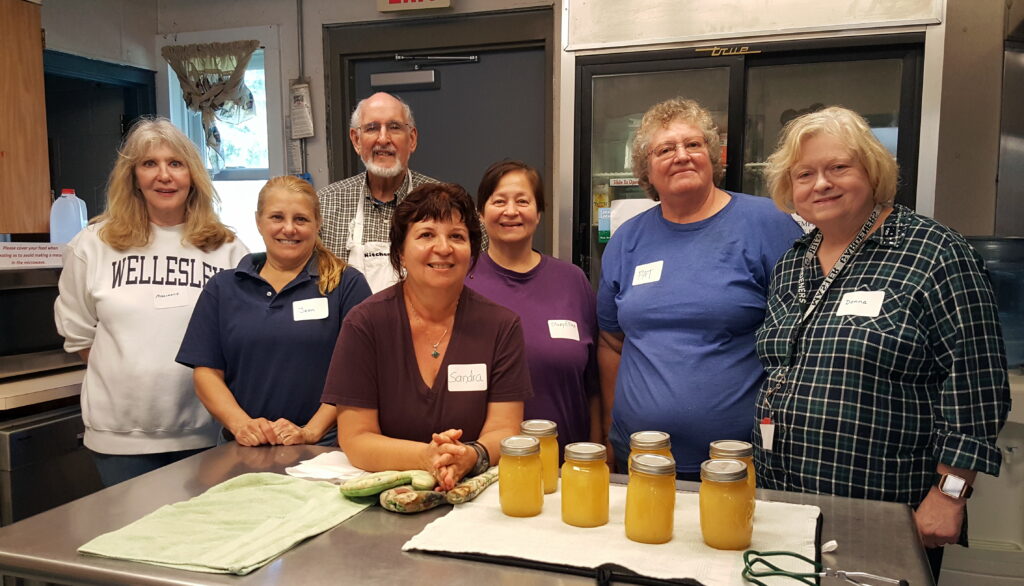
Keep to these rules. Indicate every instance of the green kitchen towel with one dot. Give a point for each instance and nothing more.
(233, 528)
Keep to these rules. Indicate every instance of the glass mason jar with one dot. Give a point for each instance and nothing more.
(650, 442)
(735, 450)
(726, 504)
(585, 481)
(547, 432)
(520, 480)
(651, 498)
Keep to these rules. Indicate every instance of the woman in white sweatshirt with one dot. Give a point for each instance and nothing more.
(129, 284)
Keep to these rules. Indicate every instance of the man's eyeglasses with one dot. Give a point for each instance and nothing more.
(393, 127)
(668, 150)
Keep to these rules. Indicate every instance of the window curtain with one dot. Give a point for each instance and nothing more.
(212, 78)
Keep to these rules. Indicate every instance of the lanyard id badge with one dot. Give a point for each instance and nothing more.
(778, 379)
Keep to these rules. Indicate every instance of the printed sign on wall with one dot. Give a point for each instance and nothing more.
(397, 5)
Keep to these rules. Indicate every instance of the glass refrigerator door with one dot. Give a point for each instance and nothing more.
(778, 93)
(619, 102)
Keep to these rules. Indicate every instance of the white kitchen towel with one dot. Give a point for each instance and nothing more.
(479, 527)
(326, 466)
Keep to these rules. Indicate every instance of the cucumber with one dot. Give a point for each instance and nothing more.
(378, 482)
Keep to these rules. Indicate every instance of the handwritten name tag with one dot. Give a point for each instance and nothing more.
(862, 303)
(564, 329)
(467, 377)
(308, 309)
(648, 273)
(169, 299)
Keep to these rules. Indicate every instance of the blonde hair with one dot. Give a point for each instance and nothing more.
(660, 116)
(329, 266)
(853, 132)
(127, 217)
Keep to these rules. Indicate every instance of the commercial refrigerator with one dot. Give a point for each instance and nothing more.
(751, 90)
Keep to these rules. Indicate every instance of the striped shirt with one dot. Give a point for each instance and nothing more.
(338, 203)
(873, 402)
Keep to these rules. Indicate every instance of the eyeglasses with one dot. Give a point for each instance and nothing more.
(393, 127)
(668, 150)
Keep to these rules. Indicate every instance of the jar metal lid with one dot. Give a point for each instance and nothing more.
(731, 449)
(538, 427)
(652, 464)
(520, 445)
(650, 440)
(585, 451)
(723, 470)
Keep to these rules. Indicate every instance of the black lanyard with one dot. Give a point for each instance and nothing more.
(778, 379)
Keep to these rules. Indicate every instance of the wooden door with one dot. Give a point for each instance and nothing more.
(24, 164)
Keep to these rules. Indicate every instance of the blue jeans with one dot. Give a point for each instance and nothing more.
(116, 468)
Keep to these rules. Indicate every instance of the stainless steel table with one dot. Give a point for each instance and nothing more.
(873, 537)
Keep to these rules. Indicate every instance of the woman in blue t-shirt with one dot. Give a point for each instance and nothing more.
(261, 336)
(683, 289)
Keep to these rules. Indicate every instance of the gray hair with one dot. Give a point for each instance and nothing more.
(357, 115)
(662, 115)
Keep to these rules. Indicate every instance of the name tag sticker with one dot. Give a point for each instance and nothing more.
(169, 299)
(648, 273)
(862, 303)
(467, 377)
(564, 329)
(308, 309)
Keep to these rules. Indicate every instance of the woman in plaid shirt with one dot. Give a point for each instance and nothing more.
(886, 370)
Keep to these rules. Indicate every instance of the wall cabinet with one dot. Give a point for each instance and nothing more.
(24, 162)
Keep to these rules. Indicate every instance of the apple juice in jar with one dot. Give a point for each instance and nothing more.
(651, 498)
(726, 504)
(585, 480)
(520, 480)
(547, 432)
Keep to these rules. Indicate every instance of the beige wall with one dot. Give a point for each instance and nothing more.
(968, 147)
(117, 31)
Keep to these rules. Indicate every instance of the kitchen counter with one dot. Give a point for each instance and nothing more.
(873, 537)
(32, 390)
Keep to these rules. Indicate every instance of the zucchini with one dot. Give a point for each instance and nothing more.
(378, 482)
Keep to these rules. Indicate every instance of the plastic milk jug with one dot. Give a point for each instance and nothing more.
(67, 217)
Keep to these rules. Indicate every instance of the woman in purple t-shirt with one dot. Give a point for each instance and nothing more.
(428, 374)
(553, 299)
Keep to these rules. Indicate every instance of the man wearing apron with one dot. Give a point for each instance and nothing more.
(357, 211)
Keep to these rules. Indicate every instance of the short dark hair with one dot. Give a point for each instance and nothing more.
(494, 173)
(438, 202)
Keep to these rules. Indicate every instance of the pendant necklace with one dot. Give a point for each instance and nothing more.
(435, 353)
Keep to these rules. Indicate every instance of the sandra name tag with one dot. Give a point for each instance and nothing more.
(467, 377)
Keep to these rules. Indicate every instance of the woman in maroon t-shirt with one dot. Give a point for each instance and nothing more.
(427, 374)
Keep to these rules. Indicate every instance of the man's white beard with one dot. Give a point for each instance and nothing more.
(384, 172)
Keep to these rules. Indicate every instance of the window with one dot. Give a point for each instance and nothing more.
(253, 150)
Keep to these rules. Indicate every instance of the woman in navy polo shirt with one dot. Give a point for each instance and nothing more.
(261, 336)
